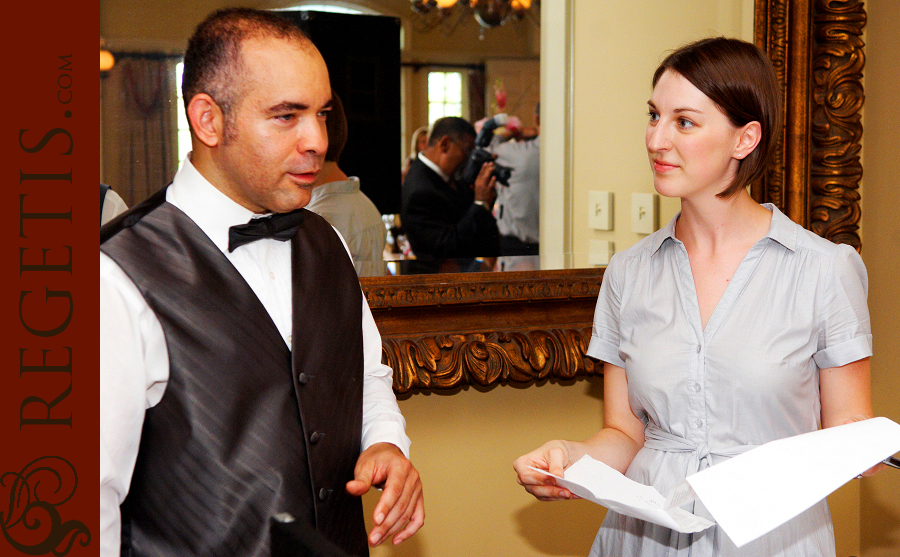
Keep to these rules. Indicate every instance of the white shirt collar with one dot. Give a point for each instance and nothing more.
(433, 166)
(209, 208)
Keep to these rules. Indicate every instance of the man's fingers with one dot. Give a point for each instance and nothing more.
(401, 512)
(358, 487)
(397, 506)
(398, 491)
(415, 521)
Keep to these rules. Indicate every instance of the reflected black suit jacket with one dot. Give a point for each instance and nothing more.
(441, 222)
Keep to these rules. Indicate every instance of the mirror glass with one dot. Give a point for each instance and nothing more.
(493, 70)
(576, 66)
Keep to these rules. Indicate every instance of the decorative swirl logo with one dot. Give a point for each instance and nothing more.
(32, 523)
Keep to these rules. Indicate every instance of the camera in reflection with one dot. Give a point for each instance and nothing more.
(480, 156)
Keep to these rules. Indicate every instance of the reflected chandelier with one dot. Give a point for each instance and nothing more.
(488, 13)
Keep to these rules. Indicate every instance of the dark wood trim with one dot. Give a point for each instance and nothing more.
(450, 330)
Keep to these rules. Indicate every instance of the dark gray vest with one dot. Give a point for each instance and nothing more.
(246, 428)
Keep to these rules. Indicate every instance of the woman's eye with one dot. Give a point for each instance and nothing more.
(685, 123)
(654, 117)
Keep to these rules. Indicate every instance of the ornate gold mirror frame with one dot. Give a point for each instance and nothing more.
(442, 332)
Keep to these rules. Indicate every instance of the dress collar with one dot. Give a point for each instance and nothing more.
(781, 230)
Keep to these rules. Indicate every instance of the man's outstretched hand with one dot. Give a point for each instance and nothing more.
(401, 507)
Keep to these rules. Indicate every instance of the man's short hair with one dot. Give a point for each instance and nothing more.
(212, 61)
(336, 126)
(458, 129)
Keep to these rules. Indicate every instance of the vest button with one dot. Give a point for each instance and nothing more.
(324, 493)
(316, 437)
(303, 379)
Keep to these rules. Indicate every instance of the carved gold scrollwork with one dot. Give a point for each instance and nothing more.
(817, 51)
(771, 35)
(448, 361)
(835, 169)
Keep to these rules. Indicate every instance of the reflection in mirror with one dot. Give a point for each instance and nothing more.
(581, 132)
(481, 71)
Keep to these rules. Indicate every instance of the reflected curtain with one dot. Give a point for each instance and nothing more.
(140, 151)
(476, 95)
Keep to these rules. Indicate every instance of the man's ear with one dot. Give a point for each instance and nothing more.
(443, 144)
(206, 119)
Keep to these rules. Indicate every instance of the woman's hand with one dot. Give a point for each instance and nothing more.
(554, 457)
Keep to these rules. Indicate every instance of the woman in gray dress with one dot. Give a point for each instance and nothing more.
(730, 327)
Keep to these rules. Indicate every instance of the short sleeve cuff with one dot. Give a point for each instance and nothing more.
(844, 353)
(604, 351)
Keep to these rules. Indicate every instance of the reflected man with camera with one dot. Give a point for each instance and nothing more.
(445, 214)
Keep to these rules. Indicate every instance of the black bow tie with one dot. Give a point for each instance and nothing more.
(280, 226)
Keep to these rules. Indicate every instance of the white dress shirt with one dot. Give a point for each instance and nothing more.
(134, 363)
(432, 165)
(517, 204)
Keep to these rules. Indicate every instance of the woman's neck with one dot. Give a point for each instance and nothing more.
(710, 224)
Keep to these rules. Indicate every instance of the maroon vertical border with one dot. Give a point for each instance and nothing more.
(49, 387)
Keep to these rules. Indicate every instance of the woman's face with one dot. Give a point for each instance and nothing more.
(421, 141)
(692, 146)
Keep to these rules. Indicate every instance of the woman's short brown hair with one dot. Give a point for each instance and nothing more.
(740, 79)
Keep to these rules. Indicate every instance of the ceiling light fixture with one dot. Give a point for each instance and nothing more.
(488, 13)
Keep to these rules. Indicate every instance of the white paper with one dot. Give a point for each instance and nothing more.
(753, 493)
(597, 482)
(757, 491)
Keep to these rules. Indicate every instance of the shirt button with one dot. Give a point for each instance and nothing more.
(699, 348)
(324, 493)
(303, 379)
(696, 387)
(316, 437)
(699, 424)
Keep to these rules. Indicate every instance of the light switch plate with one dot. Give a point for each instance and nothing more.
(644, 213)
(600, 252)
(600, 210)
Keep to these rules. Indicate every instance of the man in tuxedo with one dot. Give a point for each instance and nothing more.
(449, 224)
(240, 367)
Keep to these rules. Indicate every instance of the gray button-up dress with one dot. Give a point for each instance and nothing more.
(796, 304)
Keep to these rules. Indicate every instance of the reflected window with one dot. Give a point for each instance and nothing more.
(445, 95)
